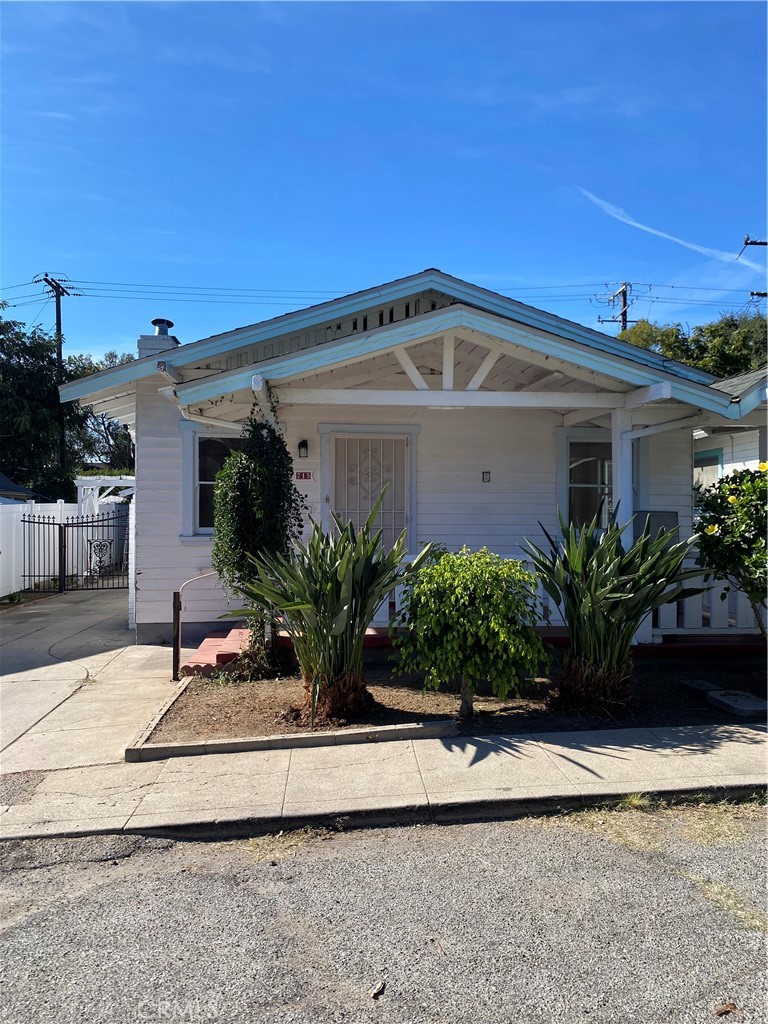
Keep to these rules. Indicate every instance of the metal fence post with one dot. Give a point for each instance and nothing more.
(62, 558)
(176, 634)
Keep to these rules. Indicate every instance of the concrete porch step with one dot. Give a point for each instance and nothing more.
(216, 649)
(221, 648)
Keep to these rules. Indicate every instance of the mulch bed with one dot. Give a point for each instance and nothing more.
(221, 709)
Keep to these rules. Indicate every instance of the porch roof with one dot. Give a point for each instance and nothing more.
(469, 295)
(621, 366)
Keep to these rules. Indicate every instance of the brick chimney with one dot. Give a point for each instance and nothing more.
(160, 341)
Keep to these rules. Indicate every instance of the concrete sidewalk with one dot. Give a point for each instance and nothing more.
(76, 691)
(431, 779)
(74, 687)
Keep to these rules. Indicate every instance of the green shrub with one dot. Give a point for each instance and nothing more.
(326, 594)
(732, 523)
(604, 593)
(471, 617)
(257, 509)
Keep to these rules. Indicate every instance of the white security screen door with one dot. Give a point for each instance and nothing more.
(361, 467)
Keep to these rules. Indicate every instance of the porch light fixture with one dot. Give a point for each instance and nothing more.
(700, 434)
(303, 449)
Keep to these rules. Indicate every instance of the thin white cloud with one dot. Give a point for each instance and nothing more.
(618, 214)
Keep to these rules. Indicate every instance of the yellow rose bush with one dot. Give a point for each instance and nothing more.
(732, 525)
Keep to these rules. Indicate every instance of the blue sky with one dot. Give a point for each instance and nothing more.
(304, 150)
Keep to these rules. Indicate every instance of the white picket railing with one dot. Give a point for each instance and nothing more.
(701, 615)
(714, 612)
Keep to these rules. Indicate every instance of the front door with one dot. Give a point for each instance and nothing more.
(361, 466)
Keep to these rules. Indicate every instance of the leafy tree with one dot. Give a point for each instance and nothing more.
(732, 524)
(471, 619)
(29, 414)
(728, 346)
(112, 444)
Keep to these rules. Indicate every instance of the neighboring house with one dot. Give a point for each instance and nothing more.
(11, 492)
(718, 451)
(484, 415)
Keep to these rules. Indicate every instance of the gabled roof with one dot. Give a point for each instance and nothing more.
(462, 291)
(747, 390)
(743, 383)
(7, 486)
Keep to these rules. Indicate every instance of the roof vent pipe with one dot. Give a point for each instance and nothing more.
(162, 326)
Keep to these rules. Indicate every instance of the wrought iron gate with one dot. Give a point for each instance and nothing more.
(79, 553)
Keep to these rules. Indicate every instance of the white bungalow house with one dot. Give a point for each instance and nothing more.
(485, 416)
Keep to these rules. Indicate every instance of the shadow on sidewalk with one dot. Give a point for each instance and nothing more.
(615, 744)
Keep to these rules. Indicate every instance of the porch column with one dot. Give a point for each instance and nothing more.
(621, 452)
(621, 457)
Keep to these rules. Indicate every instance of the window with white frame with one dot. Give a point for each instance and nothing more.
(210, 455)
(589, 481)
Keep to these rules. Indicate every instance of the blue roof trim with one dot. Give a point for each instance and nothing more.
(328, 355)
(752, 398)
(552, 323)
(105, 380)
(464, 291)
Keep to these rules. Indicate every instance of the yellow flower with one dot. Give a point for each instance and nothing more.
(712, 528)
(762, 466)
(732, 499)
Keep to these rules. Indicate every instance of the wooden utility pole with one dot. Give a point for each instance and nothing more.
(622, 296)
(753, 241)
(57, 289)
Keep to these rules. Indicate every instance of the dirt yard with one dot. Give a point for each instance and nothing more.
(218, 709)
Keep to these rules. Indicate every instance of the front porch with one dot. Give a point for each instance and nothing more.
(480, 434)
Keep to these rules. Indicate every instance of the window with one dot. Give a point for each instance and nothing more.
(589, 481)
(212, 453)
(707, 467)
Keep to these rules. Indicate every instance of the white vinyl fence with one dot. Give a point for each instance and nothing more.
(12, 538)
(29, 551)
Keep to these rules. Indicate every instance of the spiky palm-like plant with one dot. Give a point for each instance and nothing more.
(325, 594)
(604, 593)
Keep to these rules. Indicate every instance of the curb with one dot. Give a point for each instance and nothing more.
(506, 809)
(140, 750)
(154, 721)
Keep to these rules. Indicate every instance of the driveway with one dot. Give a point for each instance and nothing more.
(74, 687)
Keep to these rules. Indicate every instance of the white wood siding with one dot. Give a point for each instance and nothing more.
(670, 476)
(740, 450)
(164, 560)
(453, 504)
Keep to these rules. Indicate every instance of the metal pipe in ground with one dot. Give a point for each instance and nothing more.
(177, 623)
(176, 634)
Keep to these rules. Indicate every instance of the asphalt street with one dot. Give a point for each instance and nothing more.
(621, 916)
